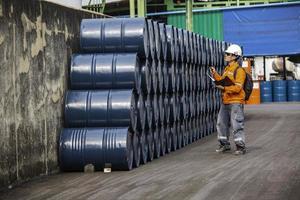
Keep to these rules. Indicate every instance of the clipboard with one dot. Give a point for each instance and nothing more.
(224, 82)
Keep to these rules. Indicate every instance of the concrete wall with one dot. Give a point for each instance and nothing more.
(36, 42)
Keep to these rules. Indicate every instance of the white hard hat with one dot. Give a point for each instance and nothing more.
(234, 49)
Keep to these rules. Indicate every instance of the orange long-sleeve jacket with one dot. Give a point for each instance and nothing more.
(234, 93)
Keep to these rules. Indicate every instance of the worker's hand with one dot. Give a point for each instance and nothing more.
(212, 70)
(220, 87)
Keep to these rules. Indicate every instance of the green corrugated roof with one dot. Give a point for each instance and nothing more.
(209, 24)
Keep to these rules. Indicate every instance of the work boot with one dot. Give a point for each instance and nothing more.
(240, 150)
(223, 148)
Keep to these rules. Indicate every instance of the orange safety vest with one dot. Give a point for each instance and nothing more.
(234, 93)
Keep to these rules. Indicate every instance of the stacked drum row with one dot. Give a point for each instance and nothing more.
(280, 91)
(138, 91)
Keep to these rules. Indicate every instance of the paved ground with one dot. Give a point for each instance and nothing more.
(270, 170)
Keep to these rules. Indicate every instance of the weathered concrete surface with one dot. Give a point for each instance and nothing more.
(270, 170)
(36, 42)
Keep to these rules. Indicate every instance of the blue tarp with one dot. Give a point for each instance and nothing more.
(264, 31)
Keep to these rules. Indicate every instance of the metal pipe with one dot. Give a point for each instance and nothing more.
(132, 8)
(221, 9)
(189, 14)
(284, 68)
(142, 8)
(264, 65)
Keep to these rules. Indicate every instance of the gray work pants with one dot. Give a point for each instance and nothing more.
(231, 114)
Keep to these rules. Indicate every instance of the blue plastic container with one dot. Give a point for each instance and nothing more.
(279, 91)
(266, 91)
(293, 90)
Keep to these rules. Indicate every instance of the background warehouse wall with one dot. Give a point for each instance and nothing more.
(36, 42)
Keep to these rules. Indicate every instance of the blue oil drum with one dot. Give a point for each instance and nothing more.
(101, 108)
(167, 109)
(154, 76)
(176, 45)
(115, 35)
(266, 91)
(189, 131)
(197, 103)
(97, 146)
(192, 45)
(194, 77)
(142, 112)
(279, 90)
(157, 38)
(146, 77)
(105, 71)
(182, 107)
(149, 111)
(177, 77)
(163, 39)
(144, 146)
(174, 136)
(202, 55)
(150, 143)
(171, 88)
(136, 150)
(160, 77)
(186, 45)
(161, 105)
(151, 38)
(156, 108)
(156, 141)
(185, 132)
(186, 78)
(181, 131)
(168, 136)
(196, 49)
(293, 90)
(162, 139)
(198, 124)
(180, 45)
(170, 47)
(167, 81)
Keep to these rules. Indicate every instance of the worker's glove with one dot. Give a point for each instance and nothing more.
(220, 87)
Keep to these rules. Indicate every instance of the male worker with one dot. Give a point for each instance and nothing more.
(233, 97)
